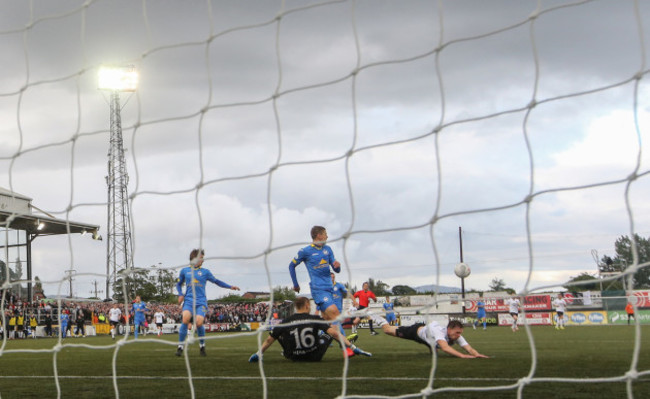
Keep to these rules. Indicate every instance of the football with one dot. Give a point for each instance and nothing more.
(462, 270)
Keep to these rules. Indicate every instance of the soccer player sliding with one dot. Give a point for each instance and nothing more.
(432, 335)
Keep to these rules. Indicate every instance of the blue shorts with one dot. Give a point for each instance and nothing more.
(138, 321)
(480, 315)
(323, 299)
(390, 317)
(201, 310)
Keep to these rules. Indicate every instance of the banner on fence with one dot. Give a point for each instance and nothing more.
(620, 317)
(532, 319)
(597, 317)
(529, 303)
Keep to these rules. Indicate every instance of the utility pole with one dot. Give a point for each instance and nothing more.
(95, 292)
(70, 276)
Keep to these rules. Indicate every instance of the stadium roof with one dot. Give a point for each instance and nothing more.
(45, 225)
(17, 213)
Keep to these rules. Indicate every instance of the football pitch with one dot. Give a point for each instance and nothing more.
(85, 367)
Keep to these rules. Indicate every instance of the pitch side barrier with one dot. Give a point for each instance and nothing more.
(583, 309)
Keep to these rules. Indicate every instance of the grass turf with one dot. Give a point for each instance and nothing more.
(84, 367)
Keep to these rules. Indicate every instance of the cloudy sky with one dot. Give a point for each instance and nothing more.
(391, 123)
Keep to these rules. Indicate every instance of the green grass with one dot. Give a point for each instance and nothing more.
(398, 367)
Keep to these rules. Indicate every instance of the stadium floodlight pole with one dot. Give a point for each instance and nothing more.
(119, 247)
(462, 279)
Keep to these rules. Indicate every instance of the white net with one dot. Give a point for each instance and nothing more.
(390, 123)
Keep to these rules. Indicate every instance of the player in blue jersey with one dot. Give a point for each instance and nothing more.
(64, 318)
(138, 310)
(339, 292)
(318, 257)
(389, 307)
(195, 302)
(481, 316)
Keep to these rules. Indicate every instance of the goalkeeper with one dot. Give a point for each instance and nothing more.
(432, 335)
(305, 337)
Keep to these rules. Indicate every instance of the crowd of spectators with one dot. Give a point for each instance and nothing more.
(45, 312)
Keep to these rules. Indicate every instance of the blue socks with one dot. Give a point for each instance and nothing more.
(182, 334)
(201, 333)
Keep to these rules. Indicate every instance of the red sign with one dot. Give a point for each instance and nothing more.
(642, 299)
(529, 303)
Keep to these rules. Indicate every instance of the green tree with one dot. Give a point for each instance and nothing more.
(590, 283)
(403, 290)
(624, 258)
(133, 283)
(497, 284)
(165, 282)
(378, 287)
(283, 294)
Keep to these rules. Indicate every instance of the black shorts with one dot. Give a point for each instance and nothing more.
(514, 314)
(559, 313)
(159, 324)
(114, 323)
(411, 332)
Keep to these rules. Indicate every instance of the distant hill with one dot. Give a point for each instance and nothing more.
(441, 289)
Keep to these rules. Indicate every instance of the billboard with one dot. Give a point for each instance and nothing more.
(529, 303)
(532, 319)
(640, 298)
(597, 317)
(620, 317)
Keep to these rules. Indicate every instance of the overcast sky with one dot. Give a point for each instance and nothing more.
(342, 114)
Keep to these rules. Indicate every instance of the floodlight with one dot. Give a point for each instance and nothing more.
(118, 78)
(39, 225)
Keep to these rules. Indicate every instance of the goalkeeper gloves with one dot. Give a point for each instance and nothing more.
(254, 358)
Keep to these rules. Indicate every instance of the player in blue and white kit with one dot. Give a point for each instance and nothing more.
(318, 257)
(138, 310)
(195, 302)
(64, 318)
(338, 293)
(389, 307)
(481, 316)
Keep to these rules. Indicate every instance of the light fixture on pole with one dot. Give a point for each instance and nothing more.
(119, 248)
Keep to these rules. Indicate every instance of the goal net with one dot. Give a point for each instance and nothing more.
(390, 123)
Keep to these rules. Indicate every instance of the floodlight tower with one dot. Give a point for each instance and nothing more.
(119, 247)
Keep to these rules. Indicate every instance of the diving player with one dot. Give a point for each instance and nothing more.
(432, 335)
(195, 303)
